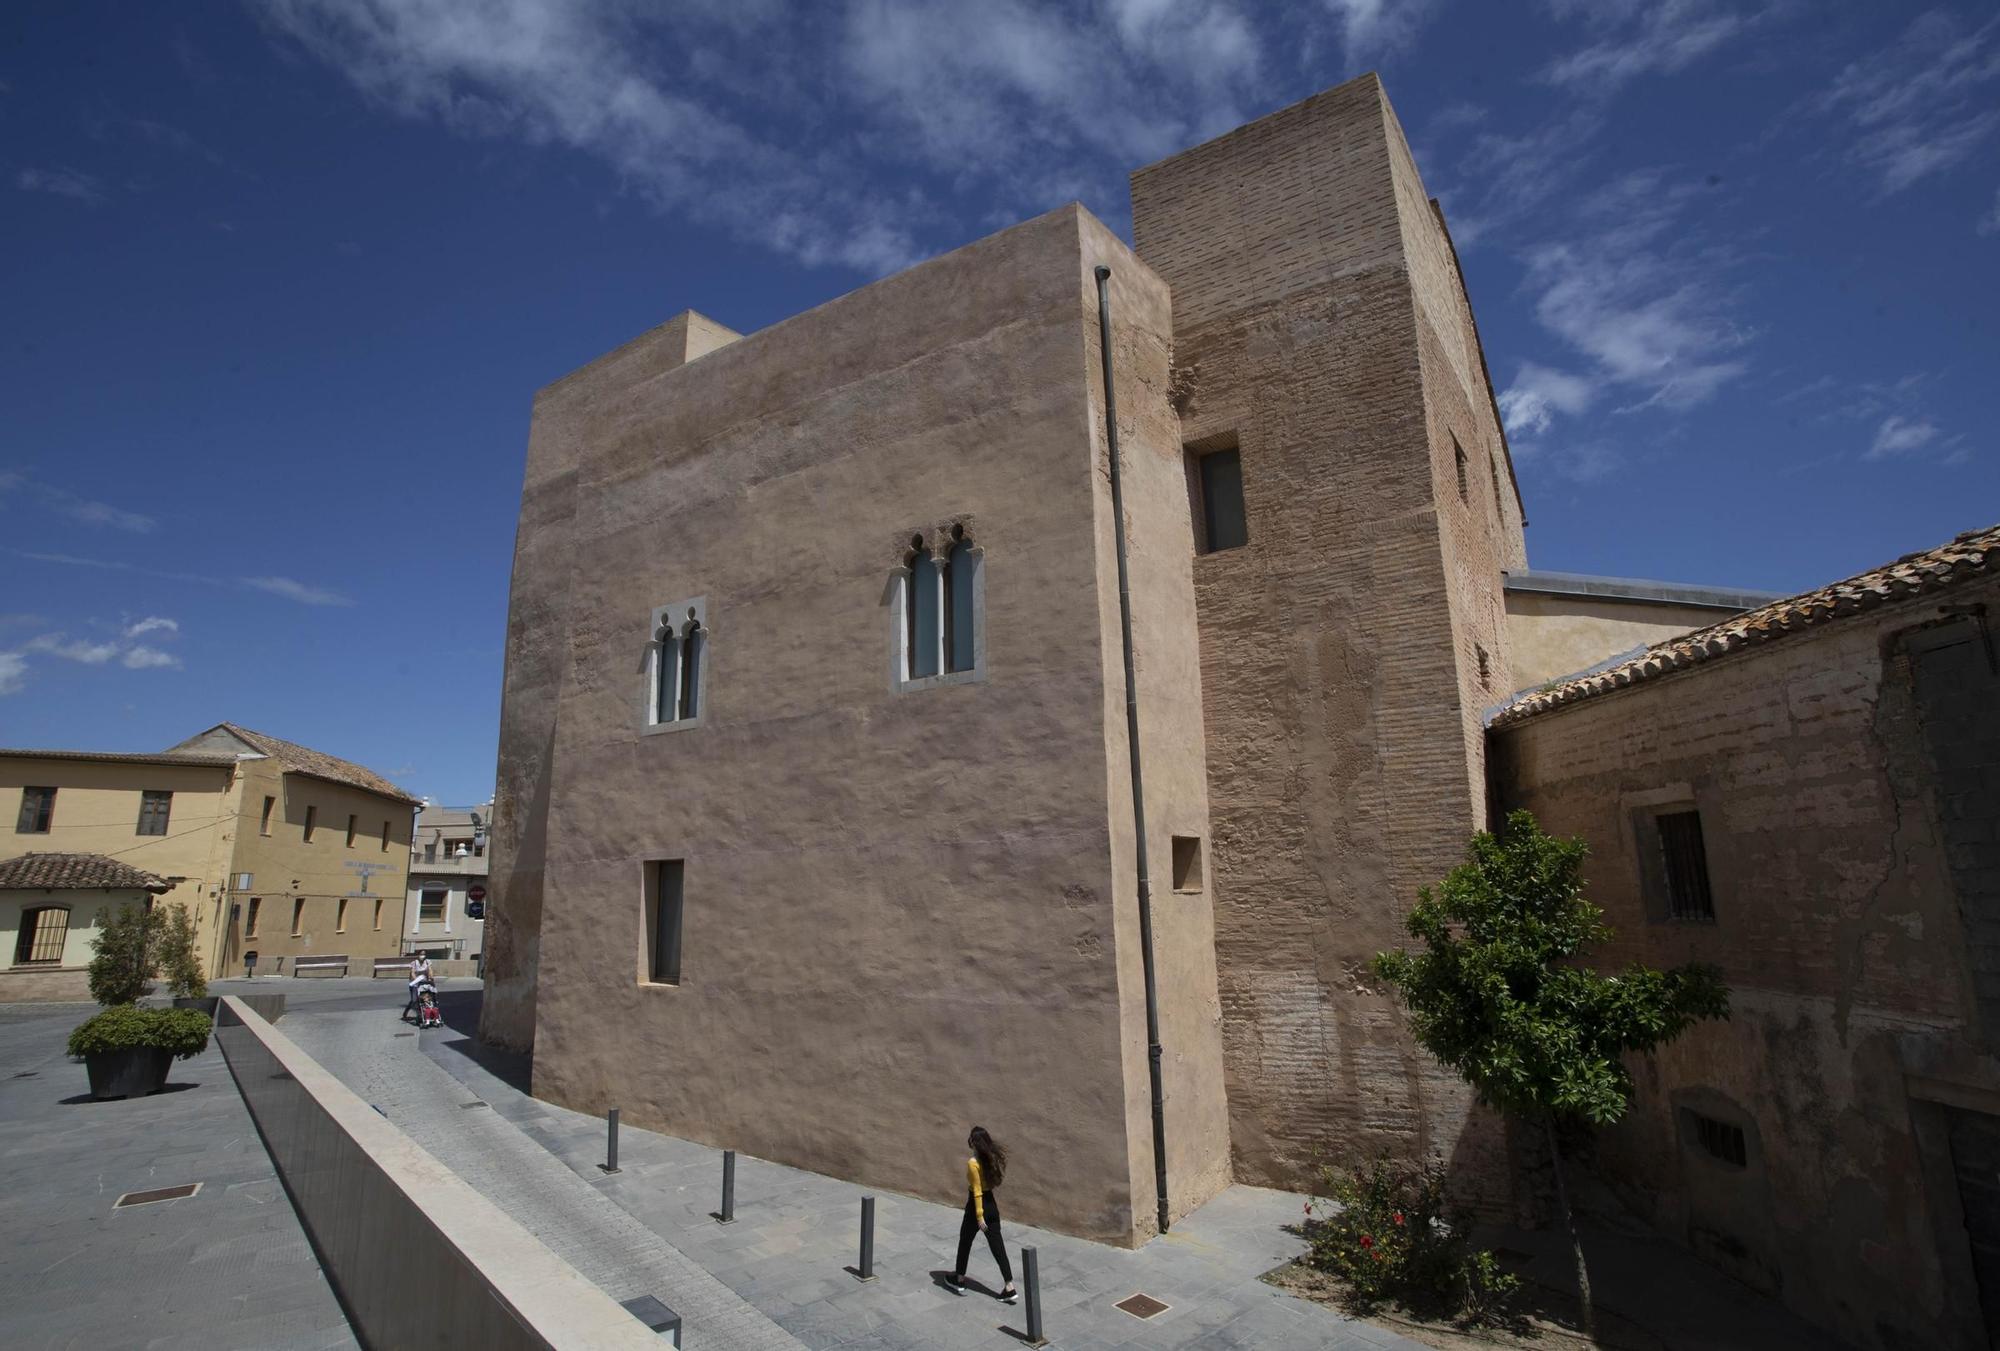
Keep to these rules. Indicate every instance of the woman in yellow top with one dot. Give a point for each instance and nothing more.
(983, 1172)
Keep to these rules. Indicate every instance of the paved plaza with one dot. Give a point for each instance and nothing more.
(227, 1269)
(230, 1267)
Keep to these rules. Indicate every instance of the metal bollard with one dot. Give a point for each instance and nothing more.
(610, 1164)
(1031, 1281)
(728, 1215)
(867, 1271)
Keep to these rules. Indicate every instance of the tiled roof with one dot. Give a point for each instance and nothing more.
(1970, 556)
(75, 872)
(120, 757)
(305, 760)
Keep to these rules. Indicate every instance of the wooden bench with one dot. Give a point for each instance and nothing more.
(332, 964)
(390, 966)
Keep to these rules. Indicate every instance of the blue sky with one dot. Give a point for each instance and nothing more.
(281, 279)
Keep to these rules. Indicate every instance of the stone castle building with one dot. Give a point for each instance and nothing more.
(815, 833)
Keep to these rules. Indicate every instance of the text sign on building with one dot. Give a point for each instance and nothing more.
(475, 893)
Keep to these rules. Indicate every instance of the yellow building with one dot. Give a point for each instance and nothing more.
(274, 847)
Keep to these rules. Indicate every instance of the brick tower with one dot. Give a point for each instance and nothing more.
(1322, 330)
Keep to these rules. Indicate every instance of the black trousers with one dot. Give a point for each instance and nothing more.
(970, 1226)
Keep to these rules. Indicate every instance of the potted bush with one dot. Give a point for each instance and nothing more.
(127, 1050)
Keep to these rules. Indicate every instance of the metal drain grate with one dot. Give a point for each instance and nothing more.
(1142, 1306)
(157, 1194)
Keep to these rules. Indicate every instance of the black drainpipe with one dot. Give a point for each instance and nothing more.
(1132, 743)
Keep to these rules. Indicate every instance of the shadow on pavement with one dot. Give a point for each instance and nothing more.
(461, 1014)
(82, 1098)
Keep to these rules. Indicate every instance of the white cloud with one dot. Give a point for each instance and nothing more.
(64, 503)
(152, 624)
(1538, 393)
(13, 672)
(61, 183)
(141, 658)
(295, 590)
(1669, 36)
(1371, 29)
(1899, 435)
(79, 650)
(1924, 105)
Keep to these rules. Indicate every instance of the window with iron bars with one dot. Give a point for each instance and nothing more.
(1686, 866)
(43, 931)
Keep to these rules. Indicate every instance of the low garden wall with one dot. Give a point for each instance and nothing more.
(41, 985)
(418, 1258)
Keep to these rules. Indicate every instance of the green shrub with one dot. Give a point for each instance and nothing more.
(139, 943)
(1389, 1232)
(125, 1026)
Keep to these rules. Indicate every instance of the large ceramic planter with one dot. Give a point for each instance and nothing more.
(131, 1073)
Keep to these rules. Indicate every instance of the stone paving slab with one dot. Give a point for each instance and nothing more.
(229, 1267)
(796, 1234)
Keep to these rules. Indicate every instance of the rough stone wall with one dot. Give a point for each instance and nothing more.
(1828, 826)
(902, 912)
(1340, 779)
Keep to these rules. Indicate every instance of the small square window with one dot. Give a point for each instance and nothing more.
(1685, 863)
(430, 906)
(663, 890)
(1187, 863)
(154, 808)
(38, 810)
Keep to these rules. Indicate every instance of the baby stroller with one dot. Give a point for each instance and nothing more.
(428, 1014)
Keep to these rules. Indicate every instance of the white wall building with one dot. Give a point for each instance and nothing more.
(446, 913)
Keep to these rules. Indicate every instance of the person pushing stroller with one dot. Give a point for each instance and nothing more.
(421, 985)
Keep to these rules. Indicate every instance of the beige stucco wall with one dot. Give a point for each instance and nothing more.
(67, 979)
(285, 868)
(1342, 745)
(1554, 636)
(1843, 936)
(906, 912)
(97, 812)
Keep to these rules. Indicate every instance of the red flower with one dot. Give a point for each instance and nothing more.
(1397, 1217)
(1367, 1241)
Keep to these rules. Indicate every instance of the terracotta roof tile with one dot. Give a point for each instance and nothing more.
(1970, 556)
(75, 872)
(305, 760)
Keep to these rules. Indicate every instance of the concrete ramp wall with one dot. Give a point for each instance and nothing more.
(418, 1258)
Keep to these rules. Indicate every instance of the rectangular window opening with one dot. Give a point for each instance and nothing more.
(42, 934)
(154, 808)
(1719, 1139)
(1458, 454)
(250, 917)
(264, 825)
(340, 917)
(385, 836)
(664, 880)
(378, 916)
(312, 822)
(1493, 467)
(1187, 863)
(352, 822)
(1686, 866)
(298, 917)
(1224, 524)
(430, 905)
(38, 811)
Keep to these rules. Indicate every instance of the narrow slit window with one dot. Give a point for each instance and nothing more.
(1187, 863)
(693, 640)
(958, 606)
(154, 809)
(340, 917)
(298, 917)
(385, 836)
(925, 617)
(312, 823)
(1458, 455)
(1224, 525)
(378, 916)
(1685, 863)
(663, 921)
(264, 825)
(1493, 467)
(352, 822)
(1485, 667)
(250, 917)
